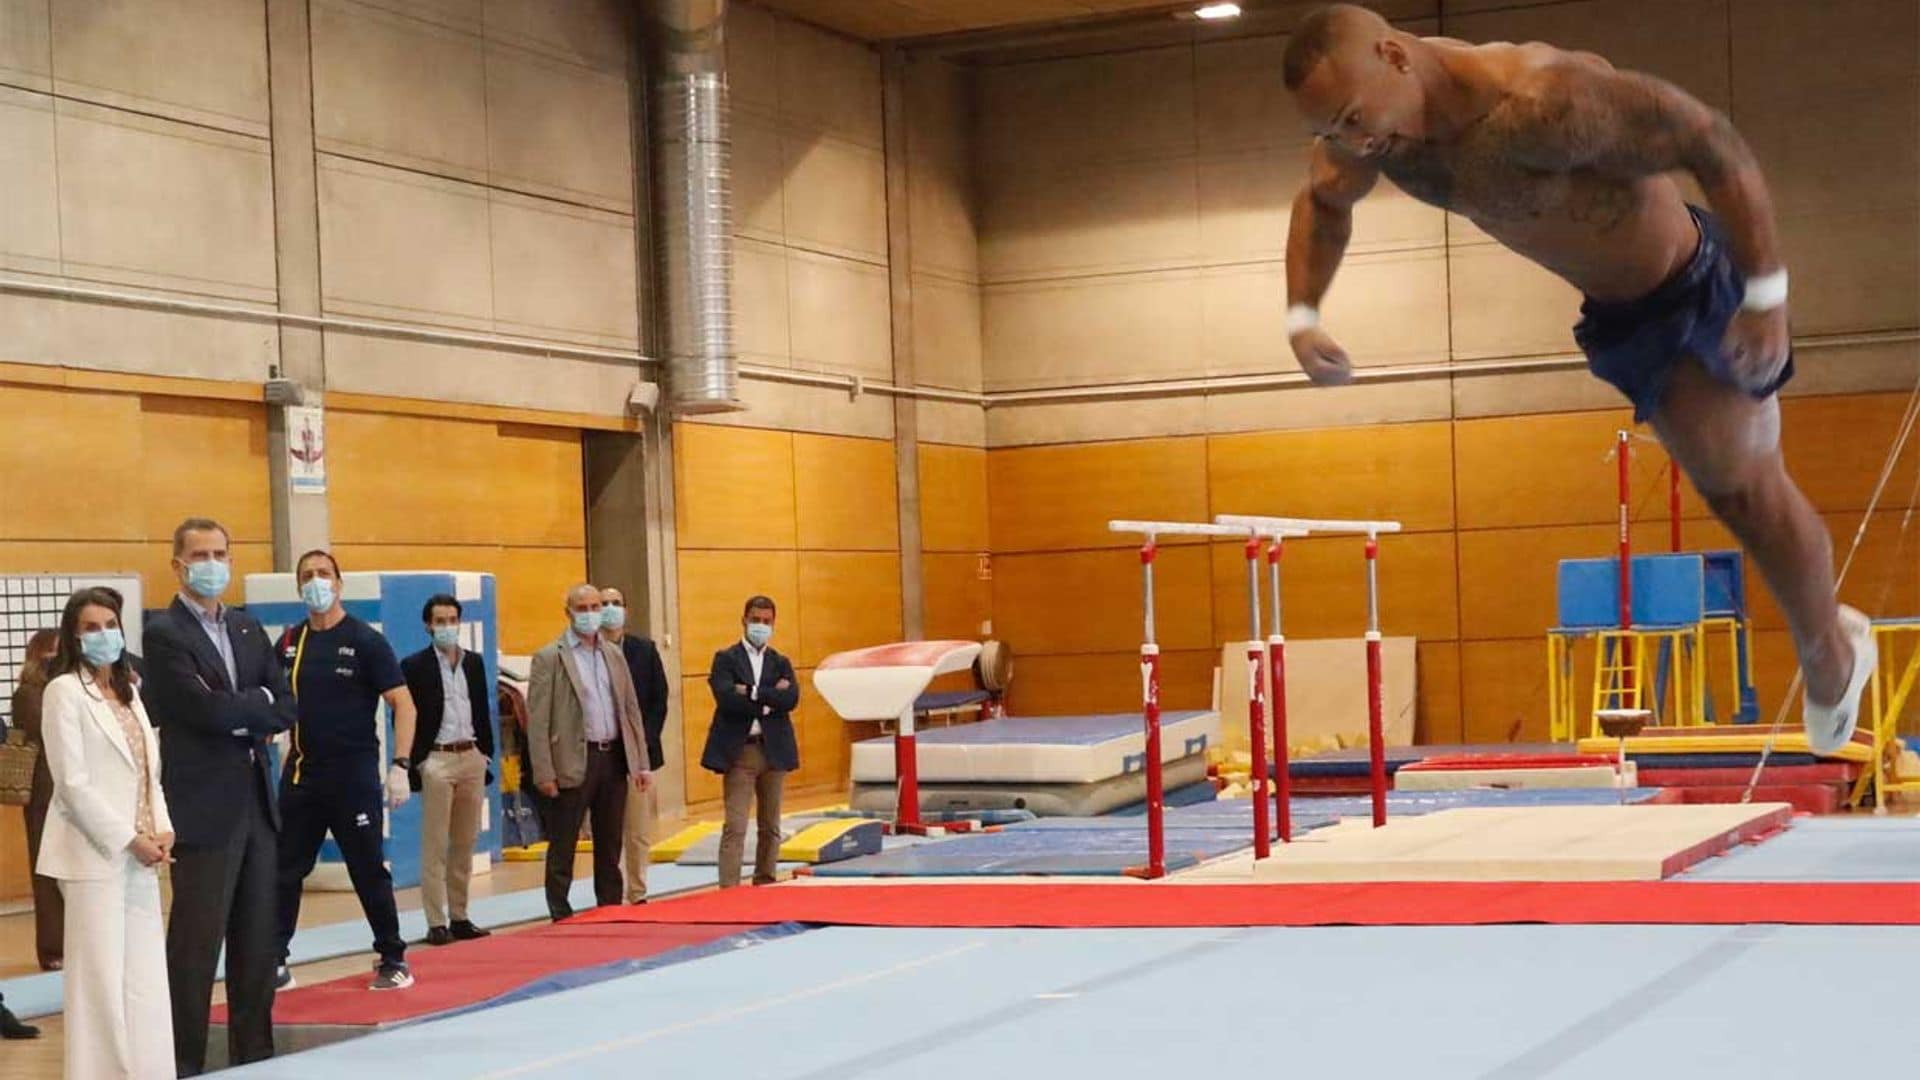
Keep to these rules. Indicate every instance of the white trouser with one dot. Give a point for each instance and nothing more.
(118, 1016)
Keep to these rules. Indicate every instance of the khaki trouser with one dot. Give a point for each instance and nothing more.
(636, 841)
(751, 783)
(453, 786)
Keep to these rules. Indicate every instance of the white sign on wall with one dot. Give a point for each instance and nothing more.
(307, 450)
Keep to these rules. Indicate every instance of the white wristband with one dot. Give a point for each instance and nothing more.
(1765, 292)
(1302, 317)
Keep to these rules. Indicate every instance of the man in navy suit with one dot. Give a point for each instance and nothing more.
(217, 693)
(751, 742)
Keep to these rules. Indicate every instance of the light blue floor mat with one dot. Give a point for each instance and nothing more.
(1436, 1003)
(40, 994)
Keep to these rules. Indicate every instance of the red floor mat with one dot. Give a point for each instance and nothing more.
(476, 971)
(1371, 904)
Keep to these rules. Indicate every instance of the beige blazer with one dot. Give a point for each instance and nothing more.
(556, 715)
(96, 786)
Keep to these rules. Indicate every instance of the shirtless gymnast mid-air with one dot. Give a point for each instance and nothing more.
(1564, 159)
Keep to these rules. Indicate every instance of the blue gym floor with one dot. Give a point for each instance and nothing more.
(839, 1003)
(1505, 1001)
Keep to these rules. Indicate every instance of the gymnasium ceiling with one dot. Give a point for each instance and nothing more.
(1001, 31)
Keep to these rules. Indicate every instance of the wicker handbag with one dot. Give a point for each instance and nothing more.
(18, 755)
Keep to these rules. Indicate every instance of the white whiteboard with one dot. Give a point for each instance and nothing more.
(31, 602)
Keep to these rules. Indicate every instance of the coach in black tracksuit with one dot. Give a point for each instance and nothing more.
(341, 669)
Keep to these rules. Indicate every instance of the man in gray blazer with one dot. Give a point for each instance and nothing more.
(585, 737)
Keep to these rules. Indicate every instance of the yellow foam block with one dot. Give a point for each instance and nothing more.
(670, 849)
(1585, 776)
(831, 841)
(529, 853)
(1789, 742)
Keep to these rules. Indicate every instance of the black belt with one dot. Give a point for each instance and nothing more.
(454, 747)
(606, 747)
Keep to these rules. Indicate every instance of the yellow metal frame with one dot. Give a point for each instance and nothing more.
(1618, 686)
(1890, 695)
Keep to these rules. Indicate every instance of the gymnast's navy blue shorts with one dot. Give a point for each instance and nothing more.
(1634, 344)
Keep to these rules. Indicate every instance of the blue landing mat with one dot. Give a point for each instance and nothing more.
(40, 995)
(1825, 849)
(1096, 852)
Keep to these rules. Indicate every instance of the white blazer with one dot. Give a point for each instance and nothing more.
(95, 784)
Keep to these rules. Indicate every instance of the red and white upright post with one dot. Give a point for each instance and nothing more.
(1256, 720)
(1623, 453)
(1277, 694)
(1150, 705)
(1376, 730)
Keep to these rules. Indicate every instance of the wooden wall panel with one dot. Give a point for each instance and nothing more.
(1438, 718)
(733, 487)
(1402, 472)
(1835, 447)
(50, 450)
(714, 585)
(1053, 498)
(199, 452)
(953, 498)
(1108, 683)
(1324, 588)
(957, 601)
(696, 706)
(398, 479)
(847, 600)
(1503, 690)
(822, 735)
(844, 497)
(1551, 469)
(1089, 601)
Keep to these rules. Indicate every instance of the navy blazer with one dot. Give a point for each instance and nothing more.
(422, 672)
(213, 743)
(735, 712)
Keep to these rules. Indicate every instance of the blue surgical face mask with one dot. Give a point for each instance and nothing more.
(759, 633)
(613, 617)
(103, 647)
(208, 578)
(586, 623)
(318, 594)
(446, 637)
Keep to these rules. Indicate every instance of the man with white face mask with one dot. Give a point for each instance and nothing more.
(340, 669)
(587, 742)
(452, 765)
(217, 694)
(751, 742)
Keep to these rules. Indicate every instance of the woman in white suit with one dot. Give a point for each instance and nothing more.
(107, 834)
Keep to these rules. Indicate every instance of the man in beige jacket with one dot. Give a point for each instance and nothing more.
(585, 737)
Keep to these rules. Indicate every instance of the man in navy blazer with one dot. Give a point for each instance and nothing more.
(216, 691)
(751, 742)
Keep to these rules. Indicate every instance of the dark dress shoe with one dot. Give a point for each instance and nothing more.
(464, 930)
(12, 1028)
(439, 935)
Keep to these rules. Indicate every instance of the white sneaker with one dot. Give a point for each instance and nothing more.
(1830, 727)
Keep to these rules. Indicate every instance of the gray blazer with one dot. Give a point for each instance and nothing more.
(556, 715)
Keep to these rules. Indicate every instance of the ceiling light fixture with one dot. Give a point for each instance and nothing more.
(1217, 11)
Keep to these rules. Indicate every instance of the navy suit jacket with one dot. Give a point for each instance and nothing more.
(213, 734)
(735, 712)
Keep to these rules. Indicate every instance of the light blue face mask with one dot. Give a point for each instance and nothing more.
(446, 637)
(318, 595)
(613, 617)
(759, 633)
(586, 623)
(208, 579)
(103, 647)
